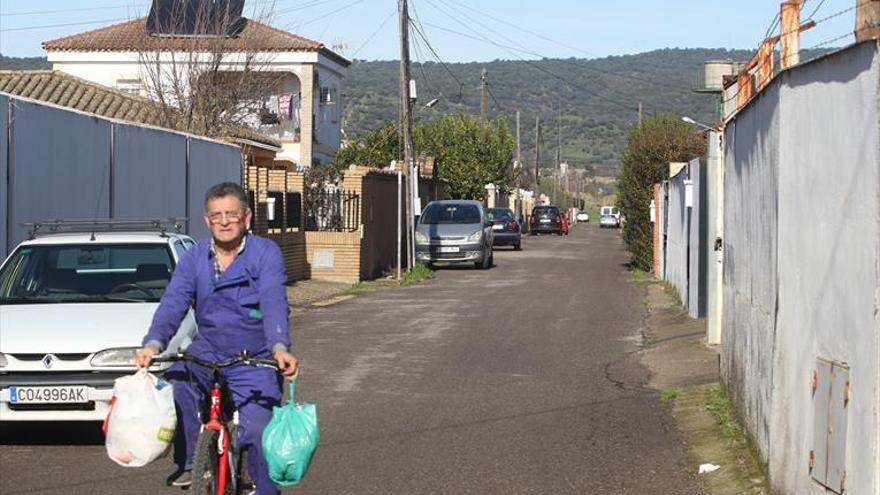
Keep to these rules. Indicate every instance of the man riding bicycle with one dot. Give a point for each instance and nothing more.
(235, 283)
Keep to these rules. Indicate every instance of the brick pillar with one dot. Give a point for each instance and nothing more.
(307, 120)
(867, 20)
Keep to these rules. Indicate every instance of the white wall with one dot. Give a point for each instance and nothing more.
(106, 68)
(801, 262)
(677, 235)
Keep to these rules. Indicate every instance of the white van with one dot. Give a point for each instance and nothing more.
(609, 216)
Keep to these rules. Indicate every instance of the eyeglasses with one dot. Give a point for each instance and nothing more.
(231, 217)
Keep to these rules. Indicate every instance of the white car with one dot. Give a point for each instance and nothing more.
(73, 309)
(583, 217)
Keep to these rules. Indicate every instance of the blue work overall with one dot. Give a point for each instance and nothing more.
(245, 308)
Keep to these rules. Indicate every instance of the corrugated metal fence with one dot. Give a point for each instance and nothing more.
(60, 163)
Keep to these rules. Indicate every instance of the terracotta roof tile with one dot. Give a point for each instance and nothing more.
(132, 36)
(64, 90)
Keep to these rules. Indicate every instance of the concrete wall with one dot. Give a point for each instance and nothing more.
(677, 237)
(801, 265)
(685, 227)
(750, 280)
(714, 229)
(60, 163)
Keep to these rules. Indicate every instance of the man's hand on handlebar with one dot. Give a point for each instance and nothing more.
(144, 356)
(287, 363)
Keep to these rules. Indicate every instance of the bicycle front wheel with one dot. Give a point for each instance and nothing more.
(206, 464)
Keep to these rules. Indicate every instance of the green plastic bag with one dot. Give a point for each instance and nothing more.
(290, 440)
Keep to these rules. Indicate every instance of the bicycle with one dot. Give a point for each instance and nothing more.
(218, 462)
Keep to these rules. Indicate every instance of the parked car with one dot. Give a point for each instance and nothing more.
(455, 231)
(583, 217)
(546, 219)
(73, 309)
(506, 228)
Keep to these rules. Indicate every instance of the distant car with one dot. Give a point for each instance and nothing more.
(546, 219)
(73, 310)
(506, 228)
(583, 217)
(455, 231)
(609, 222)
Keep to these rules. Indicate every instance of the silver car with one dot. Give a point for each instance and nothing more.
(455, 231)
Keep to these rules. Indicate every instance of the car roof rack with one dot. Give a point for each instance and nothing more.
(94, 225)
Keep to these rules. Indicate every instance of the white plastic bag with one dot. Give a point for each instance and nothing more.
(141, 422)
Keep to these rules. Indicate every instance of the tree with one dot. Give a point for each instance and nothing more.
(469, 153)
(645, 161)
(375, 149)
(206, 85)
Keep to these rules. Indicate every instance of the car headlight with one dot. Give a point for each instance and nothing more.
(421, 238)
(3, 361)
(123, 356)
(476, 236)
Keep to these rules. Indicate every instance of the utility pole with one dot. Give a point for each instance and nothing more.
(484, 96)
(407, 125)
(518, 143)
(537, 150)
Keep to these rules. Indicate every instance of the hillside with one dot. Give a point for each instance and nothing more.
(599, 97)
(23, 63)
(597, 107)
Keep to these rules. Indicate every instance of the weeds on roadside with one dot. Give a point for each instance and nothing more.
(672, 292)
(419, 273)
(719, 405)
(669, 395)
(638, 275)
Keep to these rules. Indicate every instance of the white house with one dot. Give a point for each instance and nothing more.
(307, 104)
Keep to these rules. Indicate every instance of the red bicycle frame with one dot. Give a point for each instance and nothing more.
(215, 422)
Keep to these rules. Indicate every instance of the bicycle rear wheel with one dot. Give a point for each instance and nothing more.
(205, 464)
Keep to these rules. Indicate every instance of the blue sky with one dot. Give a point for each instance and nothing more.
(468, 30)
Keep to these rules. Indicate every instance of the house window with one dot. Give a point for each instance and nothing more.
(328, 95)
(130, 86)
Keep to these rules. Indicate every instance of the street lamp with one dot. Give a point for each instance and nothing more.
(432, 103)
(699, 124)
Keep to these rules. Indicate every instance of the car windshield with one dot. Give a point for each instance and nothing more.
(440, 213)
(551, 211)
(500, 214)
(86, 273)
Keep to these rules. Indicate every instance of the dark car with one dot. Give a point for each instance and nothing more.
(546, 219)
(505, 227)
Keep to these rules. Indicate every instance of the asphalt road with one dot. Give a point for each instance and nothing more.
(520, 379)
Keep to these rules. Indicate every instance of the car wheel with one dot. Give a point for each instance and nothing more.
(517, 247)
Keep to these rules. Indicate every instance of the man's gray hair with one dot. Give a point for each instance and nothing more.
(224, 189)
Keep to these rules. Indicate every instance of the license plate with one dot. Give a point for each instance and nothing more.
(545, 220)
(498, 227)
(74, 394)
(449, 249)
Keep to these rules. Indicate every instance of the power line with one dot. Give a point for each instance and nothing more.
(816, 10)
(419, 29)
(370, 38)
(63, 11)
(528, 51)
(480, 37)
(47, 26)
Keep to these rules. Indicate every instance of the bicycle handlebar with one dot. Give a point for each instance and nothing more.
(242, 358)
